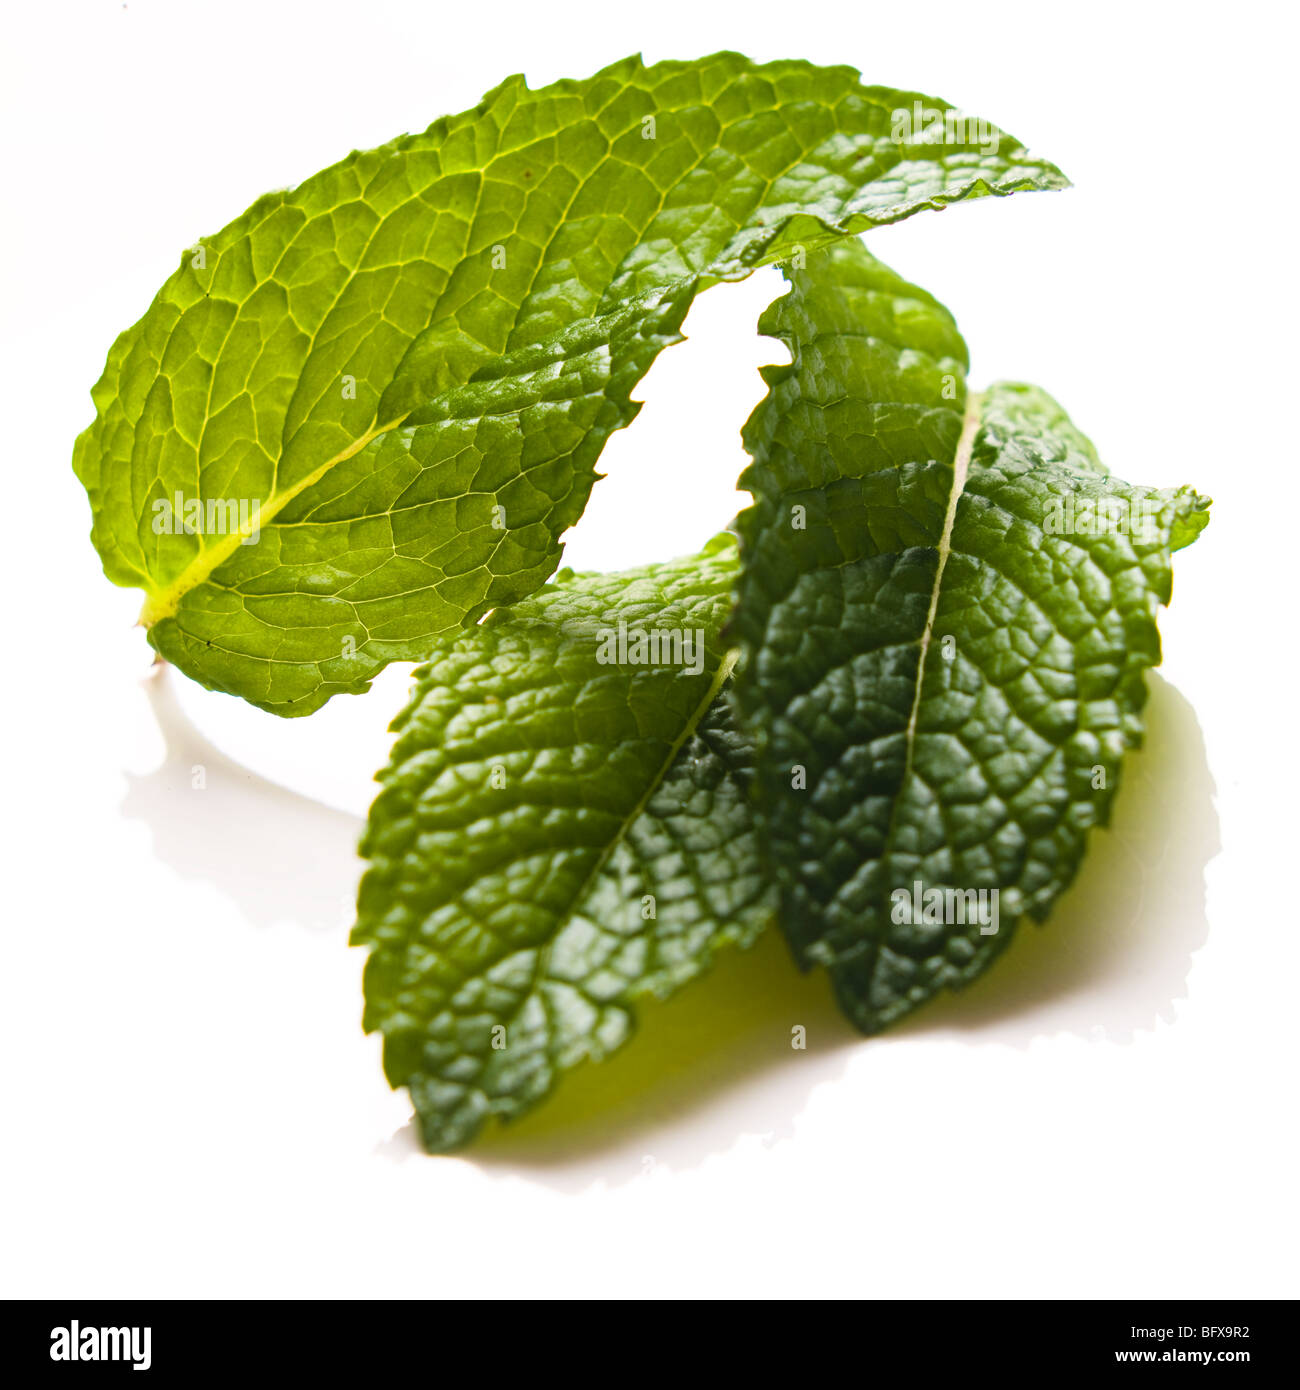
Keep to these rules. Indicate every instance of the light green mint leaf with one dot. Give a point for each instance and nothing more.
(362, 414)
(946, 610)
(564, 831)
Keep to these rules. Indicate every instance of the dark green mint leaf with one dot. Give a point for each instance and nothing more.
(564, 831)
(945, 613)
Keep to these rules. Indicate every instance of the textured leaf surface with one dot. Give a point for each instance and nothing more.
(538, 803)
(407, 366)
(956, 676)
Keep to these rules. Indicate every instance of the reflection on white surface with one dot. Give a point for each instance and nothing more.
(330, 757)
(281, 856)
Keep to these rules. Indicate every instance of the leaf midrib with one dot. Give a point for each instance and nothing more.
(720, 678)
(162, 603)
(960, 468)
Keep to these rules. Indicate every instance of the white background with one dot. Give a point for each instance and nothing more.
(189, 1106)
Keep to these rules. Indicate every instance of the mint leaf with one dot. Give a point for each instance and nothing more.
(559, 836)
(946, 610)
(362, 414)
